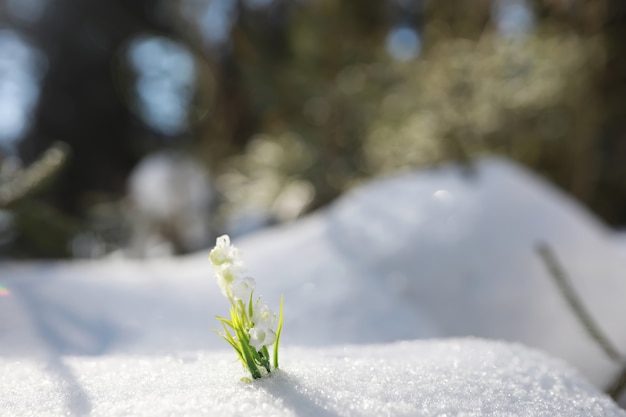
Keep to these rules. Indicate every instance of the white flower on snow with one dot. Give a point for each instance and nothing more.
(246, 316)
(264, 317)
(241, 288)
(261, 336)
(225, 275)
(227, 266)
(224, 252)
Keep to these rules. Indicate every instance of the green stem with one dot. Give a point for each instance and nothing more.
(248, 354)
(278, 332)
(265, 359)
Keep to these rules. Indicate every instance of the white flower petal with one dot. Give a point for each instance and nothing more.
(264, 316)
(261, 336)
(225, 275)
(242, 288)
(223, 252)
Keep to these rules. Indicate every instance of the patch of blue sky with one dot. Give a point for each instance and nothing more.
(165, 84)
(403, 43)
(21, 68)
(513, 18)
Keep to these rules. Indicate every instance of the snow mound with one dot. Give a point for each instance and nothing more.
(439, 254)
(427, 378)
(420, 255)
(620, 241)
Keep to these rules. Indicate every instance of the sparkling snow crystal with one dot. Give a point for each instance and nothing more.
(427, 378)
(418, 255)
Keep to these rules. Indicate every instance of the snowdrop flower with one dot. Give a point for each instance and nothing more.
(228, 269)
(242, 289)
(225, 275)
(224, 252)
(264, 317)
(261, 337)
(251, 329)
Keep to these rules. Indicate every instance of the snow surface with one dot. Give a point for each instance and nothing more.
(419, 255)
(436, 254)
(169, 191)
(423, 378)
(620, 240)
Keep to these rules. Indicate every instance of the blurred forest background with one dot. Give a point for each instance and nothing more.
(147, 127)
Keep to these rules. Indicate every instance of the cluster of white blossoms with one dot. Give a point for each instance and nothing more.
(229, 270)
(255, 326)
(263, 334)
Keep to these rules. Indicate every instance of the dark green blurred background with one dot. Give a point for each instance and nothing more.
(145, 128)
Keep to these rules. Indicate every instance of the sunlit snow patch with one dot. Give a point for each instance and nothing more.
(427, 378)
(424, 254)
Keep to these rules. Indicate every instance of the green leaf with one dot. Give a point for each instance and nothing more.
(229, 338)
(278, 332)
(250, 309)
(265, 358)
(227, 334)
(248, 354)
(225, 321)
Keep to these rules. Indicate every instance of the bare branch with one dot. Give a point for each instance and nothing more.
(617, 388)
(32, 178)
(575, 303)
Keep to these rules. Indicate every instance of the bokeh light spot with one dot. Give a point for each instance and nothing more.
(403, 43)
(214, 18)
(165, 82)
(21, 68)
(4, 291)
(514, 18)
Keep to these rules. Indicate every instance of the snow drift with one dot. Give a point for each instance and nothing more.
(424, 254)
(424, 378)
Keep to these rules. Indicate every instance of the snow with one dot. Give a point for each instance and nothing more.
(172, 192)
(620, 240)
(429, 254)
(423, 378)
(449, 256)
